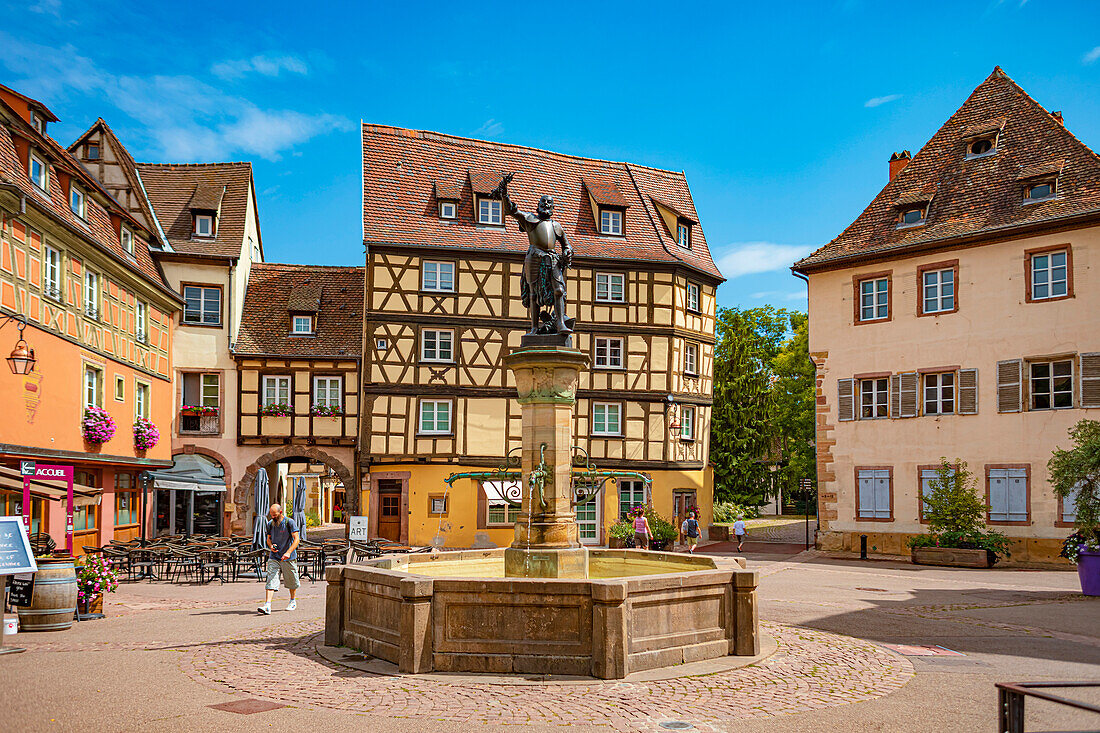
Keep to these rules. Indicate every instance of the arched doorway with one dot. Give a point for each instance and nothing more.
(243, 492)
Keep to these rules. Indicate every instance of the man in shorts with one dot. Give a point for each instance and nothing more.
(282, 540)
(690, 530)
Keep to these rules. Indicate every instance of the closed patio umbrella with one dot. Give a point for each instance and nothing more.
(259, 528)
(299, 515)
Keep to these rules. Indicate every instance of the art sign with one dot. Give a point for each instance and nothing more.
(357, 529)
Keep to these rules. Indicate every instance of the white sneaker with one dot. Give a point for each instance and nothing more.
(265, 609)
(293, 605)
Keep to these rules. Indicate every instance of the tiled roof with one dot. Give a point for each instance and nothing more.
(604, 191)
(96, 225)
(400, 167)
(171, 188)
(980, 196)
(206, 198)
(265, 323)
(449, 191)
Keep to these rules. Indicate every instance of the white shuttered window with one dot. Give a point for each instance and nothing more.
(874, 493)
(1008, 495)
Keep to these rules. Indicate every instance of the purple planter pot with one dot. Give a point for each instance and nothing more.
(1088, 570)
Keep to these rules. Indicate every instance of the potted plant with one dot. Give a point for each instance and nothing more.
(198, 410)
(1075, 477)
(326, 420)
(146, 434)
(956, 523)
(95, 576)
(277, 409)
(620, 534)
(97, 426)
(664, 534)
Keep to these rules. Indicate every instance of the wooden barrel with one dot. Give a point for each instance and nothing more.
(54, 601)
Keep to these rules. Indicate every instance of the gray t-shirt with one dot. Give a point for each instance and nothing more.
(281, 534)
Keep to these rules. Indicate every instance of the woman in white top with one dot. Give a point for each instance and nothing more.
(739, 530)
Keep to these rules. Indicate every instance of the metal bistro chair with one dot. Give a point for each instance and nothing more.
(180, 561)
(218, 560)
(250, 561)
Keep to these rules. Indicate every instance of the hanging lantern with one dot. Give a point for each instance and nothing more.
(22, 358)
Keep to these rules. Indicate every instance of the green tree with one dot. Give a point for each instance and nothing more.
(1078, 471)
(743, 432)
(953, 504)
(793, 404)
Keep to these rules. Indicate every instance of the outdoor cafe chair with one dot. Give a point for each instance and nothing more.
(250, 561)
(217, 561)
(120, 559)
(42, 543)
(181, 562)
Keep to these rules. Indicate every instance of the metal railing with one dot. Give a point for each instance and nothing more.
(1011, 697)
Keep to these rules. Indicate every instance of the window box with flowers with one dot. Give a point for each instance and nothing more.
(146, 434)
(327, 420)
(275, 418)
(97, 426)
(198, 410)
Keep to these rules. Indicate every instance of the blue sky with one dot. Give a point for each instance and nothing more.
(783, 115)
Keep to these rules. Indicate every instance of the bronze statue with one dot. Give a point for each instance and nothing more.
(544, 268)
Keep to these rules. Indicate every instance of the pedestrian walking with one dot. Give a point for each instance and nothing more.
(642, 532)
(690, 529)
(282, 540)
(739, 530)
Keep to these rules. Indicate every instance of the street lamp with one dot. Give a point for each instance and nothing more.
(146, 482)
(22, 358)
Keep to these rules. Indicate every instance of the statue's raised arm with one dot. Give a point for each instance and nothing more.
(501, 192)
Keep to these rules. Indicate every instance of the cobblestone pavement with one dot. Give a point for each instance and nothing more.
(810, 670)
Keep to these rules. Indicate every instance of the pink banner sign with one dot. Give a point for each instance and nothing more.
(31, 470)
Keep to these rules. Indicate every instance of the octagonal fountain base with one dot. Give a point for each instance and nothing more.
(456, 612)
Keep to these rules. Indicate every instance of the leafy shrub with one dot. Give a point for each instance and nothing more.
(313, 519)
(1077, 471)
(956, 513)
(622, 530)
(728, 511)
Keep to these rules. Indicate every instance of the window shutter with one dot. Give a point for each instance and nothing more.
(1009, 385)
(895, 396)
(968, 392)
(882, 495)
(866, 494)
(998, 495)
(846, 401)
(482, 507)
(910, 383)
(1017, 495)
(1090, 380)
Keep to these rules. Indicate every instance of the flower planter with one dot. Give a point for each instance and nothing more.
(270, 425)
(87, 607)
(718, 533)
(616, 543)
(954, 557)
(327, 426)
(1088, 570)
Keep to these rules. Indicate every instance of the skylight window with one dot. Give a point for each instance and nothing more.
(911, 217)
(1040, 191)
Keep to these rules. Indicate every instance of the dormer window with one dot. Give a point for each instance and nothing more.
(912, 217)
(1040, 191)
(76, 201)
(489, 212)
(448, 210)
(126, 237)
(683, 235)
(611, 222)
(39, 172)
(38, 123)
(92, 151)
(981, 146)
(204, 225)
(301, 325)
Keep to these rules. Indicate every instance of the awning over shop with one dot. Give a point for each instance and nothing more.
(190, 472)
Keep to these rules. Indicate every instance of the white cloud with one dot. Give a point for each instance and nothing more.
(491, 128)
(750, 258)
(47, 7)
(182, 118)
(879, 101)
(1091, 56)
(266, 65)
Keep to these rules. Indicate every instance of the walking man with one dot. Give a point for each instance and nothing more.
(690, 529)
(739, 530)
(282, 539)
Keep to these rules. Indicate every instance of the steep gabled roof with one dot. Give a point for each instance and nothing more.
(981, 196)
(171, 188)
(275, 290)
(403, 170)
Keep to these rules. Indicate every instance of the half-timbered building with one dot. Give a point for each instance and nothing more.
(443, 308)
(298, 376)
(75, 266)
(205, 223)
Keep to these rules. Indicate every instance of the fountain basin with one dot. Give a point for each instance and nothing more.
(456, 612)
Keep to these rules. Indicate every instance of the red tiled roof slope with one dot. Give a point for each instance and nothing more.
(982, 195)
(170, 188)
(265, 323)
(400, 167)
(96, 225)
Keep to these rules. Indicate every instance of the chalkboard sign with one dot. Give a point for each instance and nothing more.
(21, 591)
(15, 549)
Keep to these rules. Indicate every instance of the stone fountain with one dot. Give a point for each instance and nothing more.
(546, 604)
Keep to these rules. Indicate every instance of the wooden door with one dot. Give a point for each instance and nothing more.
(684, 502)
(389, 509)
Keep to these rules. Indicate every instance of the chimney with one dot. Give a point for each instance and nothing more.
(898, 161)
(1058, 118)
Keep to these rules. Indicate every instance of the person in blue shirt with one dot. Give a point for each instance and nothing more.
(282, 541)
